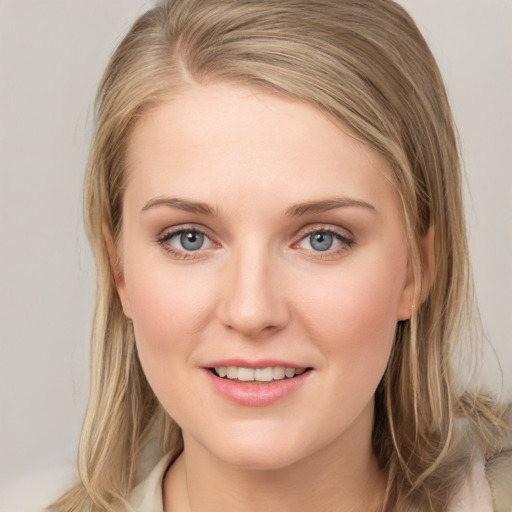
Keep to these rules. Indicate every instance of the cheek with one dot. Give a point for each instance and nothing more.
(354, 326)
(169, 306)
(354, 314)
(169, 312)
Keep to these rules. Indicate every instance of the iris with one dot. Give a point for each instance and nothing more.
(191, 240)
(321, 241)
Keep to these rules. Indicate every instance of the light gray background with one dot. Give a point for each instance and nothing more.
(52, 53)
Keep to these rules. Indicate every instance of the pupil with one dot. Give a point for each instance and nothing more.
(192, 240)
(321, 241)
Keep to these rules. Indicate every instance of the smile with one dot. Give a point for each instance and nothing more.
(268, 374)
(256, 387)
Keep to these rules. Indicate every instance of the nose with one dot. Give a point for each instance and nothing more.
(253, 302)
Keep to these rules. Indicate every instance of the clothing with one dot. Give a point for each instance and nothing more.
(147, 496)
(489, 489)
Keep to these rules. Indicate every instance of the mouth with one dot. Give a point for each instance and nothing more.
(256, 383)
(257, 375)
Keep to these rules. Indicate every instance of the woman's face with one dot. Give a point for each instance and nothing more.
(261, 240)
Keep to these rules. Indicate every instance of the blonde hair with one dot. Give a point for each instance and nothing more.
(366, 66)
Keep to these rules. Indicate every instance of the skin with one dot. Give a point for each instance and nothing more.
(258, 289)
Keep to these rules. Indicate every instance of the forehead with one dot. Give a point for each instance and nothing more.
(220, 142)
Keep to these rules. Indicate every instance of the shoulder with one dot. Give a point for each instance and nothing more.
(475, 495)
(488, 487)
(147, 495)
(485, 431)
(498, 469)
(35, 492)
(499, 475)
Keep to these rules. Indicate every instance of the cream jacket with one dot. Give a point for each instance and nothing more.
(488, 490)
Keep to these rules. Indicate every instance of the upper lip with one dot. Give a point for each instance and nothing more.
(260, 363)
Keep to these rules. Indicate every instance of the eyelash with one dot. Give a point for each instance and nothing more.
(178, 254)
(346, 242)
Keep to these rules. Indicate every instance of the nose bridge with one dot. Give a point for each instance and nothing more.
(253, 300)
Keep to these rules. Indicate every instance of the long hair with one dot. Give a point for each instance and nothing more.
(366, 66)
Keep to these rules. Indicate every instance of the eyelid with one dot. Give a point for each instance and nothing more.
(343, 235)
(170, 232)
(180, 228)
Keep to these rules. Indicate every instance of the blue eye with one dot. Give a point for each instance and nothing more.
(183, 241)
(191, 240)
(327, 241)
(321, 241)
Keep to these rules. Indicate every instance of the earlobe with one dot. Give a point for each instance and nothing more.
(116, 269)
(407, 305)
(411, 298)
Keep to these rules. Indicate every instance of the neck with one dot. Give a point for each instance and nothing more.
(343, 477)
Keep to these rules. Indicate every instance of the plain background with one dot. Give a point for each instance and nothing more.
(52, 54)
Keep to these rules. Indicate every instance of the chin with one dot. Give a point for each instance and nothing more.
(260, 449)
(261, 458)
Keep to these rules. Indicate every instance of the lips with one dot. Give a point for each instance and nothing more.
(256, 383)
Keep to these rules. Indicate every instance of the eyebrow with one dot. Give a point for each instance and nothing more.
(296, 210)
(181, 204)
(312, 207)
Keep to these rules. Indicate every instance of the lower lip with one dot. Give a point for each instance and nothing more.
(256, 394)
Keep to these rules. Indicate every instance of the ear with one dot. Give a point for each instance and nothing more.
(116, 269)
(411, 300)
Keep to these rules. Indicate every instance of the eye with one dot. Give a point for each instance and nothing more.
(326, 241)
(321, 240)
(184, 242)
(189, 240)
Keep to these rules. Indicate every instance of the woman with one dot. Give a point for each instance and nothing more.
(273, 199)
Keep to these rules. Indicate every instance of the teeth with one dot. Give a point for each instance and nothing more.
(290, 372)
(264, 374)
(232, 372)
(259, 374)
(246, 374)
(278, 373)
